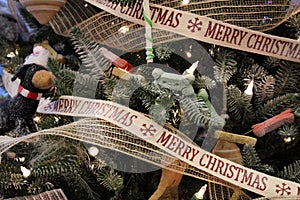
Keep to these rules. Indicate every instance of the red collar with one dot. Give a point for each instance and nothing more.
(31, 95)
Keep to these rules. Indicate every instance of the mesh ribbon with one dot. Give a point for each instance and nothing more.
(104, 27)
(106, 135)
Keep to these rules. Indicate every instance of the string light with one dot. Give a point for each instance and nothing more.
(21, 159)
(192, 68)
(123, 29)
(13, 54)
(185, 2)
(189, 52)
(37, 118)
(93, 151)
(249, 90)
(200, 194)
(56, 119)
(288, 139)
(26, 172)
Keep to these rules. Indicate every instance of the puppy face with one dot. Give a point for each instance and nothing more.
(43, 80)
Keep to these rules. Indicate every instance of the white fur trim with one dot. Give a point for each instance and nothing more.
(39, 56)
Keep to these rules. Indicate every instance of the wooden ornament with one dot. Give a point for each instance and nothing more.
(235, 138)
(125, 75)
(43, 10)
(169, 182)
(230, 151)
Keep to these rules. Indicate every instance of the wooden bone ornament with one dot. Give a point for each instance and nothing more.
(35, 80)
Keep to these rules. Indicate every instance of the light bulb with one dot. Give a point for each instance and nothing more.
(188, 54)
(11, 55)
(249, 90)
(22, 159)
(26, 172)
(37, 118)
(200, 193)
(192, 68)
(185, 2)
(124, 29)
(93, 151)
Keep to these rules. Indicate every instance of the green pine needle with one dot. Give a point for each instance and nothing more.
(252, 160)
(225, 66)
(110, 179)
(238, 105)
(291, 172)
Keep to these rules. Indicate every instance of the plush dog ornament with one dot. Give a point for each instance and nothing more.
(35, 79)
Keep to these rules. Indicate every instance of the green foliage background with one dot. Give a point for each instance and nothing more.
(63, 163)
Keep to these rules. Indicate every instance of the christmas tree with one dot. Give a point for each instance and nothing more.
(259, 96)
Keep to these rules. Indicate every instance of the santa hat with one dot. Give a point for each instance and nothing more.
(39, 56)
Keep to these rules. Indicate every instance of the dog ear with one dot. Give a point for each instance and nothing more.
(20, 73)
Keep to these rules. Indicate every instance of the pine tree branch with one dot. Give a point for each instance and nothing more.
(276, 105)
(291, 172)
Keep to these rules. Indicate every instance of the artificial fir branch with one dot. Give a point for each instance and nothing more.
(81, 187)
(289, 131)
(69, 82)
(271, 63)
(291, 172)
(239, 106)
(56, 158)
(36, 186)
(109, 179)
(225, 66)
(106, 88)
(252, 160)
(127, 91)
(249, 71)
(277, 105)
(197, 111)
(51, 121)
(93, 60)
(45, 32)
(150, 95)
(250, 156)
(8, 47)
(11, 178)
(264, 89)
(204, 82)
(287, 78)
(12, 181)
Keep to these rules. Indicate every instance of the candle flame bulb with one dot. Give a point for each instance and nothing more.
(249, 90)
(192, 68)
